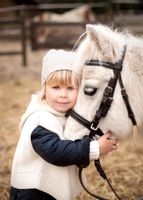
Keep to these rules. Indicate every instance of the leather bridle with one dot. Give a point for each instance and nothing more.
(103, 110)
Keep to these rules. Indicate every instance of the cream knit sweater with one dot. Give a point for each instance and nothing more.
(29, 170)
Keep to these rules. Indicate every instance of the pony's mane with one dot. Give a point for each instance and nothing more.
(87, 47)
(125, 35)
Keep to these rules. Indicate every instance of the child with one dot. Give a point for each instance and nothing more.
(45, 165)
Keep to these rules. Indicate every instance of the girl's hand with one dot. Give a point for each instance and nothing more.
(107, 143)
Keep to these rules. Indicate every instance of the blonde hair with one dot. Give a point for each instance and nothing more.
(60, 77)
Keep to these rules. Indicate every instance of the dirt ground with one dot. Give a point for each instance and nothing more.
(123, 167)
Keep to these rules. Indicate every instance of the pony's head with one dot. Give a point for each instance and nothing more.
(105, 45)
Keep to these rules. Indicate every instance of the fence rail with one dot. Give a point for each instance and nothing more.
(21, 24)
(112, 6)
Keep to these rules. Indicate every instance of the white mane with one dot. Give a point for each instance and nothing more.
(104, 44)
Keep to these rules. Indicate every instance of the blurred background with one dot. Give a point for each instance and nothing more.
(28, 28)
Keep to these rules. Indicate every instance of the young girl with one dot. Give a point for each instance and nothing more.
(45, 165)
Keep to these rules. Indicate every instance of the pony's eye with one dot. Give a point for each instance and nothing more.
(90, 91)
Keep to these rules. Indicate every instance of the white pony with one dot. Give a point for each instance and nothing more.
(103, 44)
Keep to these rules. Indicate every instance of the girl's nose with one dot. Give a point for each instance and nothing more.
(63, 93)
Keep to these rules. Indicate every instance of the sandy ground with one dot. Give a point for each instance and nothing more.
(123, 167)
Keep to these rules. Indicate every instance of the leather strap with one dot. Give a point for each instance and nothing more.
(126, 100)
(90, 193)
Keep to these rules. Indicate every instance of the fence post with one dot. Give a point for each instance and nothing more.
(23, 35)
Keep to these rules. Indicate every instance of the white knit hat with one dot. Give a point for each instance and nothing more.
(55, 60)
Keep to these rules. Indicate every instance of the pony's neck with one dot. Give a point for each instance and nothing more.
(132, 75)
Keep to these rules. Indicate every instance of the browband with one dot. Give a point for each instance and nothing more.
(117, 65)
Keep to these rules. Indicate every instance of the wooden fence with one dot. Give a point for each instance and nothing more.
(110, 6)
(22, 12)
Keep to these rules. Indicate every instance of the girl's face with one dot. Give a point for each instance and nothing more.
(61, 97)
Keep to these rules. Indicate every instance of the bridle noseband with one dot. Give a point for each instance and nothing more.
(103, 110)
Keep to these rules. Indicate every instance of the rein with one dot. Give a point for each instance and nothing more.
(102, 112)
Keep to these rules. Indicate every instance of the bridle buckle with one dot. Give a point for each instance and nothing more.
(93, 128)
(108, 90)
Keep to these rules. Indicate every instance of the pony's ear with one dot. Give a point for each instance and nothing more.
(99, 35)
(90, 30)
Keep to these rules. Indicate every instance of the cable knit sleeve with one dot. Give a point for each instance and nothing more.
(59, 152)
(94, 150)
